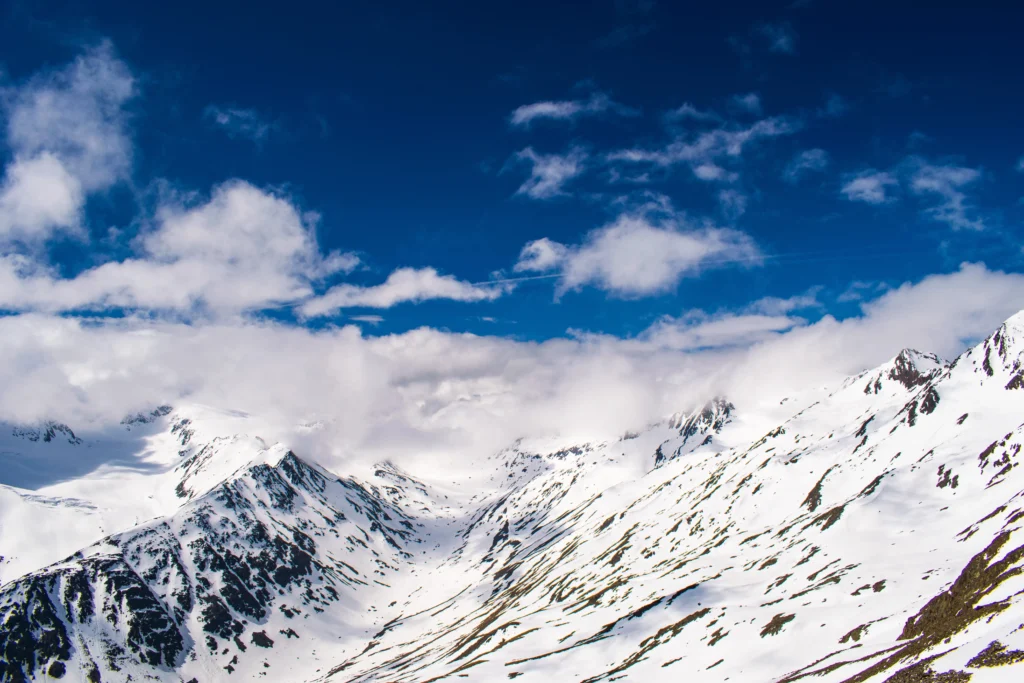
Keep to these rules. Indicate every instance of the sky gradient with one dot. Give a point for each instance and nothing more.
(491, 211)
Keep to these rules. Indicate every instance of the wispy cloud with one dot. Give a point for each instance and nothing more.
(703, 150)
(749, 103)
(779, 36)
(568, 110)
(870, 186)
(405, 285)
(550, 172)
(808, 161)
(368, 319)
(240, 123)
(941, 186)
(688, 112)
(733, 204)
(946, 183)
(834, 107)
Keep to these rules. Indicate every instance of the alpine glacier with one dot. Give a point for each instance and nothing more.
(870, 531)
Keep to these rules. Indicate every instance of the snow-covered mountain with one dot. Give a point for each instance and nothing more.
(871, 533)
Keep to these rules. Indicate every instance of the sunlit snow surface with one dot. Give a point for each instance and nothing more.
(843, 535)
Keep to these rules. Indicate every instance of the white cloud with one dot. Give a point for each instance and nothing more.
(808, 161)
(243, 249)
(703, 150)
(733, 204)
(541, 256)
(871, 186)
(635, 257)
(780, 37)
(427, 396)
(38, 197)
(403, 285)
(68, 132)
(945, 182)
(712, 172)
(550, 172)
(568, 110)
(749, 103)
(368, 319)
(240, 123)
(697, 330)
(688, 112)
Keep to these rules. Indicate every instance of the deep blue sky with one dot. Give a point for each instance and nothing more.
(391, 120)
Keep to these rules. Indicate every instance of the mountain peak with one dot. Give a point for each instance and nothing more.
(699, 427)
(910, 368)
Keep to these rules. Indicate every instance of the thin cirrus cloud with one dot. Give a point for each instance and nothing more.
(549, 173)
(946, 183)
(705, 149)
(870, 186)
(809, 161)
(779, 37)
(404, 285)
(568, 110)
(242, 123)
(635, 257)
(749, 103)
(68, 134)
(688, 112)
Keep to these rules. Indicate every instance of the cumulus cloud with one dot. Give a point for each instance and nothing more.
(808, 161)
(68, 133)
(550, 172)
(403, 285)
(871, 187)
(946, 183)
(242, 249)
(634, 256)
(240, 123)
(38, 197)
(568, 110)
(541, 255)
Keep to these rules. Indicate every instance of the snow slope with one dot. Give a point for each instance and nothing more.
(873, 533)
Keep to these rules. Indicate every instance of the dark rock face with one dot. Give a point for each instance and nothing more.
(250, 547)
(49, 431)
(698, 428)
(907, 371)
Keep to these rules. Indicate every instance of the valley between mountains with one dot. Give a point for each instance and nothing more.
(865, 532)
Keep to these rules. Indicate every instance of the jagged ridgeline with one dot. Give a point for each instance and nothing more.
(872, 533)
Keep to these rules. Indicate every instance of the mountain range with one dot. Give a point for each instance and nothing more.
(864, 532)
